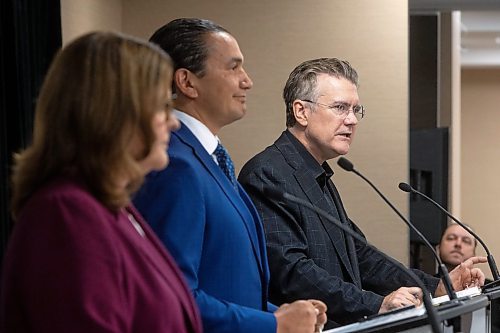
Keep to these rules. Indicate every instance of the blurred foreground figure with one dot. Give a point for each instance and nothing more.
(81, 258)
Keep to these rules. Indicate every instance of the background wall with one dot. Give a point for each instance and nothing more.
(481, 155)
(80, 16)
(275, 36)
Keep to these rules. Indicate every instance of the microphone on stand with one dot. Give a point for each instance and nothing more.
(429, 307)
(491, 261)
(345, 164)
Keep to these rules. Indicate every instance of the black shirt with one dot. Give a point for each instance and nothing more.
(322, 173)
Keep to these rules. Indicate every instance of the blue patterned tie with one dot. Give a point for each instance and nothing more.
(225, 163)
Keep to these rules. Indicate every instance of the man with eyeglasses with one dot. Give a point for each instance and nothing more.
(308, 256)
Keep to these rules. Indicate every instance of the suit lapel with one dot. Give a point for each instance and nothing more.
(261, 239)
(243, 208)
(316, 197)
(351, 248)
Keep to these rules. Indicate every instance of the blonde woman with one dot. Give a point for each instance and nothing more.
(81, 258)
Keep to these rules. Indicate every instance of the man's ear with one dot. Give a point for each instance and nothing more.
(183, 79)
(300, 112)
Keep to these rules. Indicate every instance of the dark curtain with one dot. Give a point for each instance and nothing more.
(30, 34)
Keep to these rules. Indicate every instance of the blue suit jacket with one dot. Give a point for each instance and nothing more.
(215, 235)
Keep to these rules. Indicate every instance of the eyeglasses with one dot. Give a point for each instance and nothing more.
(342, 109)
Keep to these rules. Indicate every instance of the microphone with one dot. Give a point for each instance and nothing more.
(491, 261)
(345, 164)
(285, 196)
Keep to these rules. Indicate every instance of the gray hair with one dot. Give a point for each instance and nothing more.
(301, 83)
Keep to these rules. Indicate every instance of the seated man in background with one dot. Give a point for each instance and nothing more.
(309, 256)
(456, 246)
(201, 213)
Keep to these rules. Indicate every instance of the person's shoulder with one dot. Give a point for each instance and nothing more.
(64, 189)
(184, 171)
(183, 162)
(63, 201)
(186, 151)
(266, 155)
(178, 146)
(270, 157)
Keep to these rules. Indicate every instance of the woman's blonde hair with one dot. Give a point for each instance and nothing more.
(100, 91)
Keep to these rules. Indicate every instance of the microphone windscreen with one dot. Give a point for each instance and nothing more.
(345, 164)
(405, 187)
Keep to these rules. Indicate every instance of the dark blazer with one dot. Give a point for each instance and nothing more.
(214, 234)
(309, 257)
(72, 265)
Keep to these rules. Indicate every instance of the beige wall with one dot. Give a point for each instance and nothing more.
(81, 16)
(481, 155)
(277, 35)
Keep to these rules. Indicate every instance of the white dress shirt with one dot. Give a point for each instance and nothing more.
(208, 140)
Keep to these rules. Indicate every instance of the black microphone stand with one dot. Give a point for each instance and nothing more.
(491, 261)
(345, 164)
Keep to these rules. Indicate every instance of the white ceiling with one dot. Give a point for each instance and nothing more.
(480, 40)
(447, 5)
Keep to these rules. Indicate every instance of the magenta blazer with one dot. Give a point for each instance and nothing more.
(72, 265)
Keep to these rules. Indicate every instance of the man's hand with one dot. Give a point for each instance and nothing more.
(301, 316)
(464, 275)
(404, 296)
(321, 314)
